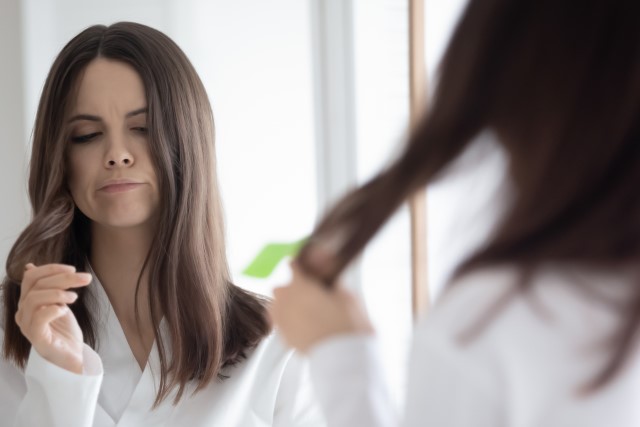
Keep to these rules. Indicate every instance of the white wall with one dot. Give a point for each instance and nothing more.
(255, 61)
(14, 211)
(382, 118)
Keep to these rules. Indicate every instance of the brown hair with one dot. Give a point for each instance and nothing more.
(559, 83)
(212, 323)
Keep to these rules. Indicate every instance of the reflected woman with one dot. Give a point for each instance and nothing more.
(118, 305)
(540, 326)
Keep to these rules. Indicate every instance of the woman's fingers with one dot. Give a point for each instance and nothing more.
(306, 313)
(300, 277)
(33, 274)
(63, 281)
(38, 299)
(44, 292)
(44, 298)
(42, 319)
(58, 283)
(318, 258)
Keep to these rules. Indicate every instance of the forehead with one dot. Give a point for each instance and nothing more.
(108, 85)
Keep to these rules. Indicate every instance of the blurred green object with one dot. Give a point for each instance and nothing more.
(270, 256)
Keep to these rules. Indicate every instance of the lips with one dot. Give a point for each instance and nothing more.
(119, 185)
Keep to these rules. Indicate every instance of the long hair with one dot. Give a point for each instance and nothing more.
(559, 83)
(211, 322)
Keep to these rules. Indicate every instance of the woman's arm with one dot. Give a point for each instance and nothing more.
(348, 376)
(332, 326)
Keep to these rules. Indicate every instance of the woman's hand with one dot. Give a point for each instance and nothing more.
(44, 317)
(306, 312)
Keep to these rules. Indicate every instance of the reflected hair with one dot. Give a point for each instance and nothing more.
(211, 322)
(559, 83)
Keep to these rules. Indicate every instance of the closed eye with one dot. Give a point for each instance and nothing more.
(84, 138)
(140, 129)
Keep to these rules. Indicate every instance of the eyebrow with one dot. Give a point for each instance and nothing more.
(142, 110)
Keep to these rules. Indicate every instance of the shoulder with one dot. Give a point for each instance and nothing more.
(486, 325)
(452, 336)
(270, 354)
(469, 297)
(275, 383)
(270, 368)
(273, 362)
(556, 297)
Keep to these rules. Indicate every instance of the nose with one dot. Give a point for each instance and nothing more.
(118, 155)
(124, 161)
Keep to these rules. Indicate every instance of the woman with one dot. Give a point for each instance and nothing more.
(118, 305)
(539, 327)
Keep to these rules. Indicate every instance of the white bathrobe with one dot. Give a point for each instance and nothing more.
(270, 388)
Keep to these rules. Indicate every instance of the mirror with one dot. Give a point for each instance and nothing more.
(309, 98)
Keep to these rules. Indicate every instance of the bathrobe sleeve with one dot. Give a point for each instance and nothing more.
(46, 395)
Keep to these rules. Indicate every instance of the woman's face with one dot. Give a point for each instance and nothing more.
(111, 177)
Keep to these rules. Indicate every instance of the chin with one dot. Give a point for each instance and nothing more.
(124, 220)
(124, 224)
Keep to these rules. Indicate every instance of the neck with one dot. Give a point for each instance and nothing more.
(117, 257)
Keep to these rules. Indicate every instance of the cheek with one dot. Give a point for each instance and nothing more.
(77, 174)
(145, 163)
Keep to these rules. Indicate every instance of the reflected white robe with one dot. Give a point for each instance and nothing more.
(525, 368)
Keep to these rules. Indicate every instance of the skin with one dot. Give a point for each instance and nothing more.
(109, 141)
(307, 313)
